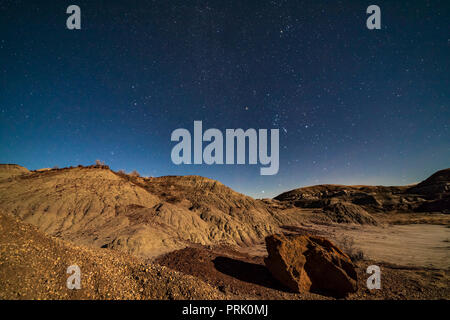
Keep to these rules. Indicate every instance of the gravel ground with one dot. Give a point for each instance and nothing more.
(34, 265)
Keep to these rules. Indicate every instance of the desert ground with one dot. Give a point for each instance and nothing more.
(189, 237)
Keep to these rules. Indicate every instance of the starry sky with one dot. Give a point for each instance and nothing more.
(353, 106)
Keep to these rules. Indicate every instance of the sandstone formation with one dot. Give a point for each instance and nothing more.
(310, 264)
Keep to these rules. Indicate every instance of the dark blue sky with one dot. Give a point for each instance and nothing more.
(353, 106)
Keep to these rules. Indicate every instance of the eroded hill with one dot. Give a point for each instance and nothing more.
(143, 216)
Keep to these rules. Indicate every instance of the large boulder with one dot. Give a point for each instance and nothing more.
(306, 263)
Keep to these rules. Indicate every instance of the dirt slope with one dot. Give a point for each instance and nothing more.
(34, 265)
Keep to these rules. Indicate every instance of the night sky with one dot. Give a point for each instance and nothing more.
(354, 106)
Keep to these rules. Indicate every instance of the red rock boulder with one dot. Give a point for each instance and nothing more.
(310, 263)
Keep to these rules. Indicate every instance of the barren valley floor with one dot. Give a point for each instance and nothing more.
(414, 260)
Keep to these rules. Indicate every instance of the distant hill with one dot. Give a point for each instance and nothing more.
(432, 194)
(434, 186)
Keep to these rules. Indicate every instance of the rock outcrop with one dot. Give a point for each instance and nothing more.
(310, 264)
